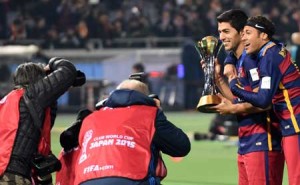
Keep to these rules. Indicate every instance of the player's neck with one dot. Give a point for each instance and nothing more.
(239, 50)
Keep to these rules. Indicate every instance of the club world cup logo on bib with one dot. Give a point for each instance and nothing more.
(208, 48)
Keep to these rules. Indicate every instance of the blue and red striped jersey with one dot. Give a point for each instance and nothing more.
(279, 85)
(259, 131)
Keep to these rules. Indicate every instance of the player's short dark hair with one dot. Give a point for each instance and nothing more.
(262, 24)
(28, 73)
(235, 17)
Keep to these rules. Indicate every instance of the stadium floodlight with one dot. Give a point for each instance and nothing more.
(19, 50)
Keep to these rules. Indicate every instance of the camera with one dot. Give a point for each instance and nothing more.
(153, 96)
(69, 137)
(141, 76)
(45, 165)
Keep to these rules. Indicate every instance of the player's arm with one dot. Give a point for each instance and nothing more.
(221, 82)
(270, 77)
(224, 88)
(227, 107)
(242, 108)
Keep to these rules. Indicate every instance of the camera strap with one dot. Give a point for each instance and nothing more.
(33, 113)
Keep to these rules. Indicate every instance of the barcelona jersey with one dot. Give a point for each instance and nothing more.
(279, 85)
(259, 131)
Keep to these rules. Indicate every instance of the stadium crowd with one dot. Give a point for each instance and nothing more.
(71, 23)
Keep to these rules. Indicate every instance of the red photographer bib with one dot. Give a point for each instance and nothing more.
(66, 175)
(9, 120)
(116, 142)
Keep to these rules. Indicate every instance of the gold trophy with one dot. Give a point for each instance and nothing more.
(208, 49)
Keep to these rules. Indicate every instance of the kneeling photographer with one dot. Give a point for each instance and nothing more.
(27, 115)
(135, 131)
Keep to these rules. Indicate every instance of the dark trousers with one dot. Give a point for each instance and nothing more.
(12, 179)
(115, 180)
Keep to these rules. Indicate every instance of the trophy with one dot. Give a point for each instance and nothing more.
(208, 49)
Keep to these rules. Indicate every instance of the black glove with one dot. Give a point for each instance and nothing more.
(69, 137)
(80, 79)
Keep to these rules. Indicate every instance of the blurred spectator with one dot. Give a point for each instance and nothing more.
(38, 28)
(296, 41)
(104, 29)
(181, 28)
(82, 33)
(165, 27)
(5, 80)
(5, 73)
(138, 27)
(138, 67)
(51, 39)
(17, 30)
(3, 19)
(197, 25)
(296, 18)
(215, 7)
(108, 20)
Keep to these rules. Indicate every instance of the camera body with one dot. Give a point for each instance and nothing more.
(45, 165)
(141, 76)
(154, 96)
(69, 137)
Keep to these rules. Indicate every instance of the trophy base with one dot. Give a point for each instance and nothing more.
(208, 101)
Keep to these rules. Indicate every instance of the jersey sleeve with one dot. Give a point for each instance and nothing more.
(270, 77)
(252, 74)
(230, 59)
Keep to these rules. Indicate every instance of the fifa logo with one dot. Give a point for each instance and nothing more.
(87, 137)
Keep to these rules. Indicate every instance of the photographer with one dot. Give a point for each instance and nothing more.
(25, 136)
(135, 131)
(70, 151)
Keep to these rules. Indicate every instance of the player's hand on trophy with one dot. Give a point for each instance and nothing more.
(203, 65)
(218, 73)
(230, 71)
(225, 107)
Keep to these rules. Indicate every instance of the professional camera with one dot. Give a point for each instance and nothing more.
(141, 76)
(45, 165)
(69, 137)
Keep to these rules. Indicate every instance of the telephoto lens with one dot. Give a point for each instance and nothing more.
(69, 137)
